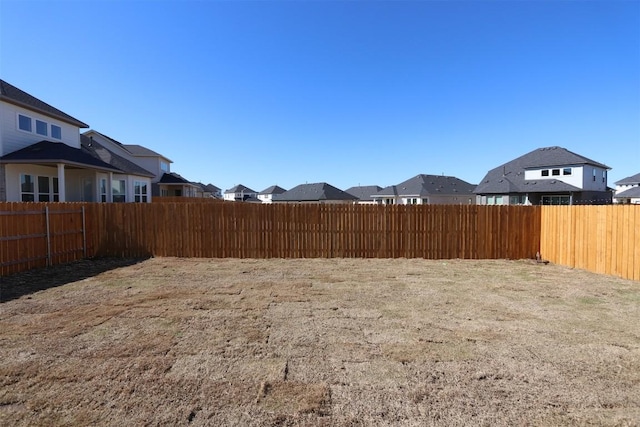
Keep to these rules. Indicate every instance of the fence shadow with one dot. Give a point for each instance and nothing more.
(28, 282)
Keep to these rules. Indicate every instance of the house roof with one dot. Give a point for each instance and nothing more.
(313, 192)
(169, 178)
(364, 192)
(427, 185)
(210, 188)
(96, 150)
(509, 177)
(239, 189)
(274, 189)
(57, 152)
(630, 180)
(13, 95)
(139, 150)
(631, 193)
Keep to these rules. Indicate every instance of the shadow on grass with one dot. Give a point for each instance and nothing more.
(29, 282)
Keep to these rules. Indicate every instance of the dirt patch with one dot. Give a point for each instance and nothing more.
(334, 342)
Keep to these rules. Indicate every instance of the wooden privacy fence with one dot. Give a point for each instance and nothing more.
(245, 230)
(37, 234)
(601, 239)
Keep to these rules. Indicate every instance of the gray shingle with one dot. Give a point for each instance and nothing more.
(630, 180)
(57, 152)
(239, 189)
(425, 185)
(274, 189)
(631, 193)
(364, 192)
(509, 177)
(13, 95)
(96, 150)
(316, 192)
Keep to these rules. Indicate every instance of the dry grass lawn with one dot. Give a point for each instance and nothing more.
(333, 342)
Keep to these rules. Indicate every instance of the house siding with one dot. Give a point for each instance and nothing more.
(12, 139)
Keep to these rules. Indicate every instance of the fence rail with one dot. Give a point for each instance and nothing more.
(603, 239)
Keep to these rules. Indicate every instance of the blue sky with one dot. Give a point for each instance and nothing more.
(345, 92)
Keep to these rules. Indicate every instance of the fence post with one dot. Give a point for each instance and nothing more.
(46, 213)
(84, 234)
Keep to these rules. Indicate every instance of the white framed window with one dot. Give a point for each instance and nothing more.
(566, 171)
(164, 166)
(545, 172)
(103, 190)
(425, 201)
(140, 192)
(56, 132)
(42, 128)
(604, 176)
(594, 175)
(164, 192)
(119, 190)
(24, 123)
(41, 189)
(555, 172)
(27, 188)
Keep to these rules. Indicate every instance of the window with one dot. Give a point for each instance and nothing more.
(164, 192)
(517, 200)
(56, 132)
(491, 200)
(498, 200)
(164, 166)
(44, 189)
(545, 172)
(24, 123)
(388, 201)
(140, 191)
(604, 176)
(103, 190)
(555, 172)
(556, 200)
(411, 201)
(118, 189)
(41, 128)
(566, 171)
(594, 175)
(27, 188)
(425, 201)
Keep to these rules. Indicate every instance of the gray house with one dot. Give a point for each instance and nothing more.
(628, 190)
(267, 194)
(364, 193)
(320, 192)
(546, 176)
(427, 190)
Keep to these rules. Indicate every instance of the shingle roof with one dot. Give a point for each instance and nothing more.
(509, 177)
(56, 152)
(630, 180)
(364, 192)
(96, 150)
(631, 193)
(425, 185)
(139, 150)
(239, 189)
(209, 188)
(313, 192)
(13, 95)
(274, 189)
(174, 178)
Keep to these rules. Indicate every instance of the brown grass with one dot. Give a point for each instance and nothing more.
(333, 342)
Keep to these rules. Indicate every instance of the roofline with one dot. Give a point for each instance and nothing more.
(66, 162)
(24, 105)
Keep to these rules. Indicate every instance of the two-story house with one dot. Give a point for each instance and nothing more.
(240, 193)
(628, 190)
(41, 156)
(266, 195)
(427, 190)
(163, 182)
(546, 176)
